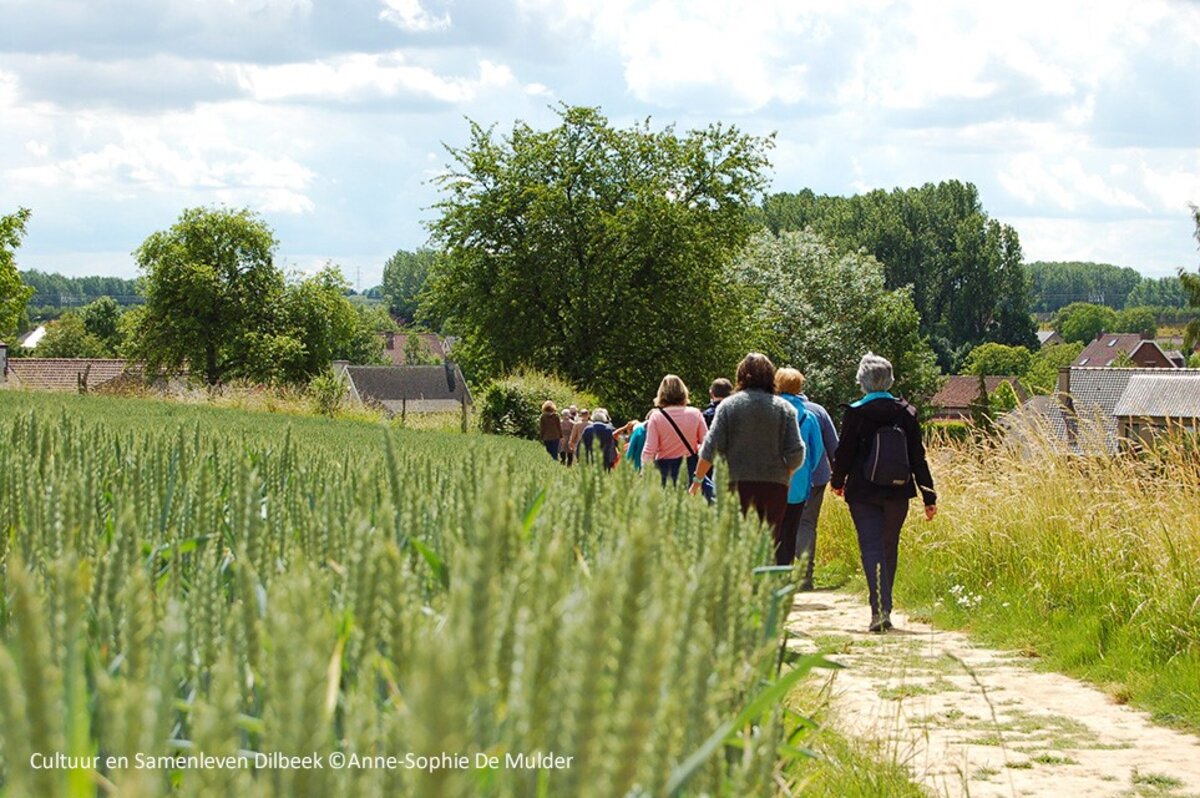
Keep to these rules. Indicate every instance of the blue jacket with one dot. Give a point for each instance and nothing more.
(822, 471)
(810, 433)
(637, 442)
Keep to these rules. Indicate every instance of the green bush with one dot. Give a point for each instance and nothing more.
(328, 393)
(511, 405)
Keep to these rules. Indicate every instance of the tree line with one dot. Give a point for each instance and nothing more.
(610, 256)
(216, 306)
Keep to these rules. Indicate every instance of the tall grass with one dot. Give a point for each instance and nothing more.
(1091, 563)
(207, 585)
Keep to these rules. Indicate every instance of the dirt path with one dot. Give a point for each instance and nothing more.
(973, 721)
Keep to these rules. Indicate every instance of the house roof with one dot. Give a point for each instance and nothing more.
(62, 374)
(394, 345)
(960, 391)
(1045, 335)
(393, 383)
(1165, 394)
(1105, 349)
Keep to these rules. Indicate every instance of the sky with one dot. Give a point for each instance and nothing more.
(1079, 121)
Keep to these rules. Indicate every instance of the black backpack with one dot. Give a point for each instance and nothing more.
(887, 457)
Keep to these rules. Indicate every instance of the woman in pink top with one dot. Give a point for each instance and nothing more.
(674, 431)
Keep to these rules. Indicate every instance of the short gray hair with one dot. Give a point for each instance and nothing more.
(875, 373)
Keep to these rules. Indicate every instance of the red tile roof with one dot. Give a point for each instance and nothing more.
(62, 374)
(395, 343)
(959, 392)
(1108, 346)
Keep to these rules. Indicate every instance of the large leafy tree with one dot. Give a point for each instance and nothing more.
(212, 294)
(964, 267)
(1042, 374)
(404, 277)
(597, 252)
(997, 360)
(315, 311)
(1083, 321)
(14, 294)
(821, 311)
(69, 337)
(217, 306)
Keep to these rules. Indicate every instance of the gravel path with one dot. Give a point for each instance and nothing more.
(973, 721)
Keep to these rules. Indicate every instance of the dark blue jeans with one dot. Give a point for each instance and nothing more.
(669, 468)
(878, 525)
(552, 448)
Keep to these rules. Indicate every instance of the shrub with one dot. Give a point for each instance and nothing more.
(328, 393)
(511, 405)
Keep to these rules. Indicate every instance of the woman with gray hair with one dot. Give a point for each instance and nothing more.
(879, 466)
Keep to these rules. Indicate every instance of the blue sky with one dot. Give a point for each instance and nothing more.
(1078, 121)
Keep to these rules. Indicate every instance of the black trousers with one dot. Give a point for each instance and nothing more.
(878, 524)
(785, 544)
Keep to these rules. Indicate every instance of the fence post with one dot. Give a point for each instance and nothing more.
(463, 401)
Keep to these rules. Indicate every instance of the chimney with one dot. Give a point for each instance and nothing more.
(1064, 380)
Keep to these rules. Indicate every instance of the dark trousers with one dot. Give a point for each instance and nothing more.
(552, 448)
(669, 469)
(878, 525)
(769, 500)
(806, 536)
(785, 544)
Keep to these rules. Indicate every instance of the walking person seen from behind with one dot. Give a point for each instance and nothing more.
(674, 431)
(879, 466)
(720, 389)
(551, 429)
(806, 537)
(758, 435)
(788, 383)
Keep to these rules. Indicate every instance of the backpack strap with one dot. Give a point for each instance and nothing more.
(691, 452)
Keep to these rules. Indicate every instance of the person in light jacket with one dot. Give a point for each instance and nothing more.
(806, 537)
(674, 431)
(788, 383)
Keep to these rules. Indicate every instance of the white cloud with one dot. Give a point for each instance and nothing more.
(37, 149)
(1065, 183)
(410, 15)
(193, 155)
(363, 77)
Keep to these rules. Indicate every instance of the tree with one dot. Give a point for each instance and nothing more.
(1191, 285)
(596, 253)
(1140, 320)
(1042, 375)
(316, 313)
(1083, 321)
(212, 295)
(964, 267)
(997, 360)
(69, 337)
(102, 318)
(1003, 399)
(404, 278)
(14, 294)
(1161, 292)
(821, 312)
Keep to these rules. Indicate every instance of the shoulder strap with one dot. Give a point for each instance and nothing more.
(691, 452)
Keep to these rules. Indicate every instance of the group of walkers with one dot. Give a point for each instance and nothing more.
(779, 453)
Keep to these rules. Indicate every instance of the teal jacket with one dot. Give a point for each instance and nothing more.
(814, 446)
